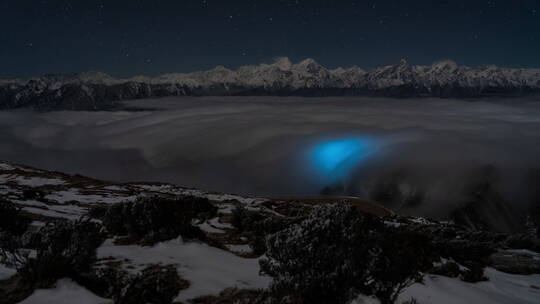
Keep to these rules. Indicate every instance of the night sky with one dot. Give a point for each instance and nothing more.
(130, 37)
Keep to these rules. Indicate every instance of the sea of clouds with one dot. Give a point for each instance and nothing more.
(264, 145)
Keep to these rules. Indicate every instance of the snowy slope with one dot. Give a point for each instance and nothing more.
(96, 90)
(212, 267)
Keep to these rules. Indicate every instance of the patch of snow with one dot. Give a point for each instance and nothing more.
(532, 254)
(363, 299)
(6, 167)
(502, 288)
(216, 223)
(114, 188)
(155, 188)
(206, 227)
(6, 272)
(62, 211)
(51, 213)
(65, 292)
(74, 195)
(30, 181)
(209, 269)
(241, 199)
(38, 224)
(239, 248)
(226, 208)
(38, 181)
(392, 224)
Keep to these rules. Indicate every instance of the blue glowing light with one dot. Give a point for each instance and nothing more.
(336, 158)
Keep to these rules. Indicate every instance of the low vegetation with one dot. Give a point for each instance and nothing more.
(149, 220)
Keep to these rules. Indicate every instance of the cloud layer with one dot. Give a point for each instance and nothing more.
(261, 145)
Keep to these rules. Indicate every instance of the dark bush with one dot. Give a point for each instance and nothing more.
(107, 281)
(257, 226)
(33, 194)
(154, 219)
(403, 254)
(523, 241)
(11, 218)
(337, 252)
(64, 249)
(474, 273)
(154, 285)
(448, 269)
(13, 224)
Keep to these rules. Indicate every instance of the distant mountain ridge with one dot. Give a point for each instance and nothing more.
(87, 91)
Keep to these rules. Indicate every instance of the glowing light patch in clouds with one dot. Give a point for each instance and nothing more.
(336, 158)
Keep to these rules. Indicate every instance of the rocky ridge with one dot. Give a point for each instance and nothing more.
(89, 91)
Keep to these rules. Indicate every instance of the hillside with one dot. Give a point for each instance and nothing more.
(66, 237)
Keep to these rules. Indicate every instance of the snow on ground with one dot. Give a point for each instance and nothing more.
(502, 288)
(363, 299)
(6, 272)
(67, 211)
(73, 194)
(216, 223)
(217, 197)
(31, 181)
(239, 248)
(52, 213)
(207, 227)
(115, 188)
(209, 269)
(6, 167)
(225, 197)
(65, 292)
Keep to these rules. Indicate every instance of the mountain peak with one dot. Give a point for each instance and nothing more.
(444, 65)
(283, 63)
(308, 61)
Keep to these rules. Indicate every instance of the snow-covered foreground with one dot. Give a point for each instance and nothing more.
(502, 288)
(65, 292)
(208, 269)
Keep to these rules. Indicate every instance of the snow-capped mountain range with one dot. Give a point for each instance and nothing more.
(282, 77)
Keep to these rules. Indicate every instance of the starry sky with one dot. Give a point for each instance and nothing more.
(131, 37)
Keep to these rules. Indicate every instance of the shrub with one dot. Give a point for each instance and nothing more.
(11, 219)
(12, 226)
(402, 255)
(257, 226)
(156, 219)
(33, 194)
(63, 249)
(154, 285)
(337, 252)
